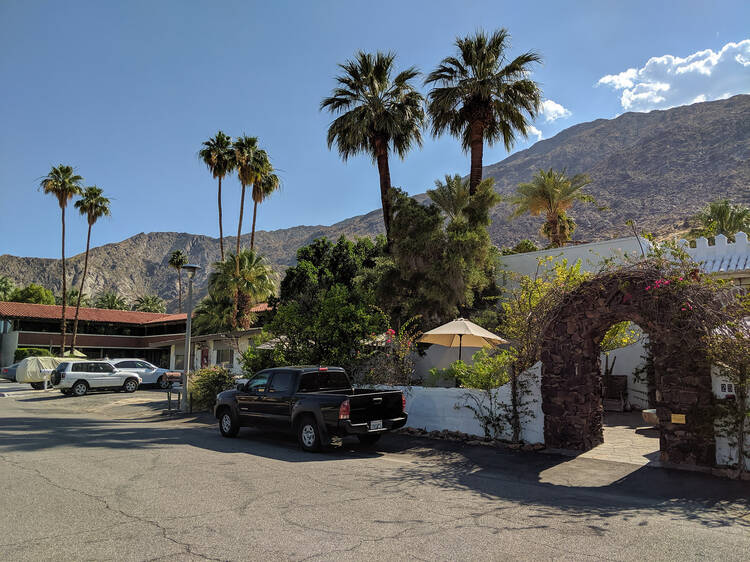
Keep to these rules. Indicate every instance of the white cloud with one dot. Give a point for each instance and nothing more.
(533, 131)
(553, 111)
(669, 81)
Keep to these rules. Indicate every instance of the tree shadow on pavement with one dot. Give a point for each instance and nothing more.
(580, 487)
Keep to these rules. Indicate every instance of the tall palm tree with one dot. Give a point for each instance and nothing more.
(217, 153)
(452, 196)
(176, 260)
(7, 286)
(480, 96)
(149, 303)
(249, 169)
(110, 300)
(721, 217)
(93, 206)
(376, 114)
(255, 283)
(552, 193)
(64, 184)
(213, 315)
(262, 189)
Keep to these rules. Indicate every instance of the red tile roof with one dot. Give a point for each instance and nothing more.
(54, 312)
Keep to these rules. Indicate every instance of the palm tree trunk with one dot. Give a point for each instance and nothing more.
(553, 220)
(239, 231)
(476, 144)
(381, 151)
(179, 289)
(252, 236)
(80, 291)
(221, 228)
(64, 287)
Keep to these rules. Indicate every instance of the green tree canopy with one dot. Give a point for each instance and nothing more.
(110, 300)
(7, 286)
(150, 303)
(33, 293)
(722, 217)
(325, 312)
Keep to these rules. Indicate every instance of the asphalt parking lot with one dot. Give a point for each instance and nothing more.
(108, 477)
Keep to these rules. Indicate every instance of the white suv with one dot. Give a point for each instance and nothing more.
(78, 377)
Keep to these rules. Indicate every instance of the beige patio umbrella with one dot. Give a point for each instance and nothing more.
(461, 332)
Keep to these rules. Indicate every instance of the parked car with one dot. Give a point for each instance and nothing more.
(150, 374)
(9, 372)
(78, 377)
(317, 403)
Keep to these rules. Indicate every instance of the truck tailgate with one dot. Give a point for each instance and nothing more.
(375, 406)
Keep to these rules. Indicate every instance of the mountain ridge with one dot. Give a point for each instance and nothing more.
(656, 168)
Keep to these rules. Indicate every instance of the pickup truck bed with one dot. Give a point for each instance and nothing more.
(317, 403)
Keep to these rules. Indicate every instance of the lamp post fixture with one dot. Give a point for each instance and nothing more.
(191, 269)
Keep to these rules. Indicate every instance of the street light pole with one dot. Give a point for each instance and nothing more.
(191, 271)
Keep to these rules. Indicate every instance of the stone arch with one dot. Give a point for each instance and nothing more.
(571, 370)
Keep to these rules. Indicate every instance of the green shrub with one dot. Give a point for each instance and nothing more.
(24, 352)
(486, 372)
(205, 384)
(254, 359)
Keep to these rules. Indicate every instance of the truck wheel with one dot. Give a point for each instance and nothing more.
(130, 385)
(228, 425)
(80, 388)
(308, 434)
(368, 439)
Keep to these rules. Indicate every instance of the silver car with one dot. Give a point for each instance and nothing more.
(9, 372)
(150, 374)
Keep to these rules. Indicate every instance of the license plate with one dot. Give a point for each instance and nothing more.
(377, 424)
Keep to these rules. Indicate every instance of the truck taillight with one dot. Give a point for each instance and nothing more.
(403, 402)
(344, 410)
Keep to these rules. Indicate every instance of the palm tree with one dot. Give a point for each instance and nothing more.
(93, 206)
(376, 114)
(255, 283)
(452, 196)
(217, 153)
(64, 184)
(552, 193)
(213, 315)
(176, 260)
(149, 303)
(7, 286)
(110, 300)
(249, 169)
(477, 97)
(721, 217)
(262, 189)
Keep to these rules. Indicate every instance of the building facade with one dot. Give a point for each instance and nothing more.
(102, 333)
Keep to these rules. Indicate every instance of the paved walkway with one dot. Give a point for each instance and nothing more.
(628, 439)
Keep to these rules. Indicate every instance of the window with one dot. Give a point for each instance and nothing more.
(126, 365)
(323, 380)
(80, 368)
(258, 382)
(143, 365)
(281, 382)
(224, 356)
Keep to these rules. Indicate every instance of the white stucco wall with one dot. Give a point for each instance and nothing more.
(628, 359)
(590, 255)
(725, 453)
(445, 408)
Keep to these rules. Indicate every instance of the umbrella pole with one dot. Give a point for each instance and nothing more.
(460, 338)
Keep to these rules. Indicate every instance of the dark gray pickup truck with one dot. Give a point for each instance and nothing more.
(317, 403)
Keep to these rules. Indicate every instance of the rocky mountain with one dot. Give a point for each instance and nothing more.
(656, 168)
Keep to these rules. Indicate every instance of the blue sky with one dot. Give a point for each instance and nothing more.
(127, 91)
